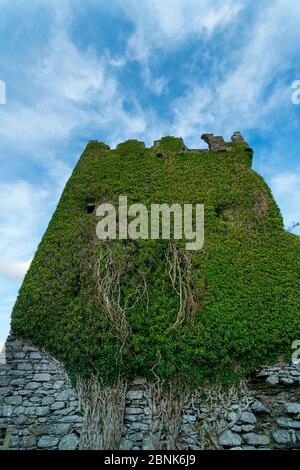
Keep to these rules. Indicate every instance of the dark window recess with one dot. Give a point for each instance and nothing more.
(219, 210)
(90, 207)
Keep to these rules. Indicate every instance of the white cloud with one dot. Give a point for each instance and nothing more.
(13, 269)
(252, 92)
(23, 212)
(193, 113)
(71, 91)
(71, 74)
(165, 24)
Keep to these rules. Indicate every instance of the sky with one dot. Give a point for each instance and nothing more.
(112, 70)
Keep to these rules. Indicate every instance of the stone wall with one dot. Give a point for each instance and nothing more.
(137, 419)
(38, 407)
(40, 410)
(271, 418)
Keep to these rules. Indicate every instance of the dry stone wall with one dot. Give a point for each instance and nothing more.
(39, 409)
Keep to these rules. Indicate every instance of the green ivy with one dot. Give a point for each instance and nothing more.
(247, 273)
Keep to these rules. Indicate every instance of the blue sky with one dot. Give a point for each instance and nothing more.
(119, 69)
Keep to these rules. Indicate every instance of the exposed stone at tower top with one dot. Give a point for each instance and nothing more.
(237, 137)
(215, 143)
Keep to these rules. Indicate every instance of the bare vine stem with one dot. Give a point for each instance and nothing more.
(180, 273)
(109, 293)
(103, 409)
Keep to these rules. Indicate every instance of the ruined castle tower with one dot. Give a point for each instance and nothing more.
(132, 343)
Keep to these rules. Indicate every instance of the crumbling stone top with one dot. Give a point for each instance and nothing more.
(215, 143)
(237, 137)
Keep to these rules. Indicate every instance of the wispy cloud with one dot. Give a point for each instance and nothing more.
(165, 25)
(161, 28)
(253, 90)
(23, 210)
(73, 92)
(14, 269)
